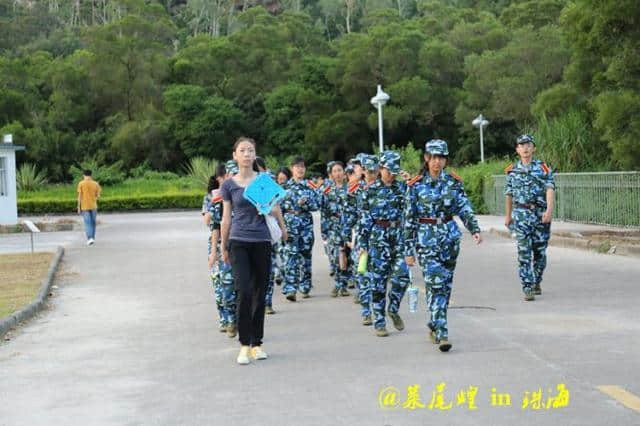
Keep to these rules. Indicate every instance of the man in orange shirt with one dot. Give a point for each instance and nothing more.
(88, 194)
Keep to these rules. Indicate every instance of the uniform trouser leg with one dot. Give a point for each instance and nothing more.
(438, 271)
(399, 283)
(293, 264)
(364, 292)
(378, 273)
(539, 247)
(251, 265)
(306, 251)
(217, 291)
(228, 292)
(268, 299)
(524, 240)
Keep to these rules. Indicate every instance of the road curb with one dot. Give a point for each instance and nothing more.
(34, 307)
(580, 243)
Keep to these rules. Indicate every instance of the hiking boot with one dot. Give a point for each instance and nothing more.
(397, 321)
(366, 320)
(356, 298)
(231, 331)
(529, 296)
(243, 356)
(433, 338)
(306, 295)
(223, 328)
(334, 292)
(258, 353)
(537, 290)
(269, 310)
(344, 292)
(444, 345)
(291, 297)
(351, 285)
(382, 332)
(332, 273)
(278, 281)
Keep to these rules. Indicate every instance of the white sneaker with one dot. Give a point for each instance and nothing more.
(258, 353)
(243, 356)
(90, 242)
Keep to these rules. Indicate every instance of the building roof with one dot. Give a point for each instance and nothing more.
(10, 146)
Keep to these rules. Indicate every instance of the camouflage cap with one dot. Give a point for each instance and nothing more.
(360, 158)
(390, 160)
(232, 167)
(330, 164)
(370, 162)
(437, 147)
(349, 169)
(525, 139)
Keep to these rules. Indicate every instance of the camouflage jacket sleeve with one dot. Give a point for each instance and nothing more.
(313, 201)
(324, 212)
(348, 217)
(410, 220)
(508, 187)
(464, 209)
(549, 180)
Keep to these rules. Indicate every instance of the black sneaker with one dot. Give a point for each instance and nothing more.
(397, 321)
(537, 290)
(291, 297)
(444, 345)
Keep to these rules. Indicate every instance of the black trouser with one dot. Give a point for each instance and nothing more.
(251, 265)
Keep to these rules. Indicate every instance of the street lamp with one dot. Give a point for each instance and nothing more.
(480, 123)
(378, 101)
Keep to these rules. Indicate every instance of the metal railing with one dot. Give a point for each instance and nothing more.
(609, 198)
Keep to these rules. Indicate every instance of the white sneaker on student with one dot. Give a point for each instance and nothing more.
(243, 356)
(90, 242)
(258, 353)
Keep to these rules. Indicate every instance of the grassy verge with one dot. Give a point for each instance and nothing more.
(20, 278)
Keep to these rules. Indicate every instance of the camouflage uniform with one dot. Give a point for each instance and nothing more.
(527, 186)
(381, 235)
(221, 277)
(430, 205)
(325, 221)
(350, 225)
(331, 207)
(298, 248)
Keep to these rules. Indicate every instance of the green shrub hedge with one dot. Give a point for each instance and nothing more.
(474, 178)
(189, 200)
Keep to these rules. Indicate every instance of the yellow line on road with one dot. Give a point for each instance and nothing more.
(627, 399)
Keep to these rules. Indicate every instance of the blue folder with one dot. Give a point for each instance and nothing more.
(264, 193)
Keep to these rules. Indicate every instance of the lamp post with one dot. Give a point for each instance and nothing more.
(480, 123)
(378, 101)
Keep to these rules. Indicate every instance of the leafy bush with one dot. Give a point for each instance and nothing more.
(200, 169)
(29, 178)
(474, 177)
(411, 158)
(189, 200)
(105, 175)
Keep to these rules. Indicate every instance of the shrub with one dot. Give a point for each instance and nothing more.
(190, 200)
(200, 169)
(105, 175)
(29, 178)
(474, 177)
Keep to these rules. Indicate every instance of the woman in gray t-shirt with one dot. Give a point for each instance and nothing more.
(246, 245)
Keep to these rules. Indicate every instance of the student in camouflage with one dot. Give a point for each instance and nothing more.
(381, 236)
(351, 225)
(221, 276)
(529, 196)
(325, 219)
(433, 198)
(331, 206)
(300, 201)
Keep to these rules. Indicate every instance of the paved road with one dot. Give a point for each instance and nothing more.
(130, 338)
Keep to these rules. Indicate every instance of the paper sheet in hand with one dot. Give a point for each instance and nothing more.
(264, 193)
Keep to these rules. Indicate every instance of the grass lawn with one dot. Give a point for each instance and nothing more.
(128, 188)
(20, 278)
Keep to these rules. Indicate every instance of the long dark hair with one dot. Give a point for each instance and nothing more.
(221, 171)
(258, 164)
(285, 171)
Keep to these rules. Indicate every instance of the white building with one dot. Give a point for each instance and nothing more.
(8, 193)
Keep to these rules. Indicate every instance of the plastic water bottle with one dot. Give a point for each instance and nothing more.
(413, 299)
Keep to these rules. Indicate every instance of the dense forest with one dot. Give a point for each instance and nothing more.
(129, 81)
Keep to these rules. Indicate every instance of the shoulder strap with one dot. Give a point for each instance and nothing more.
(508, 168)
(413, 180)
